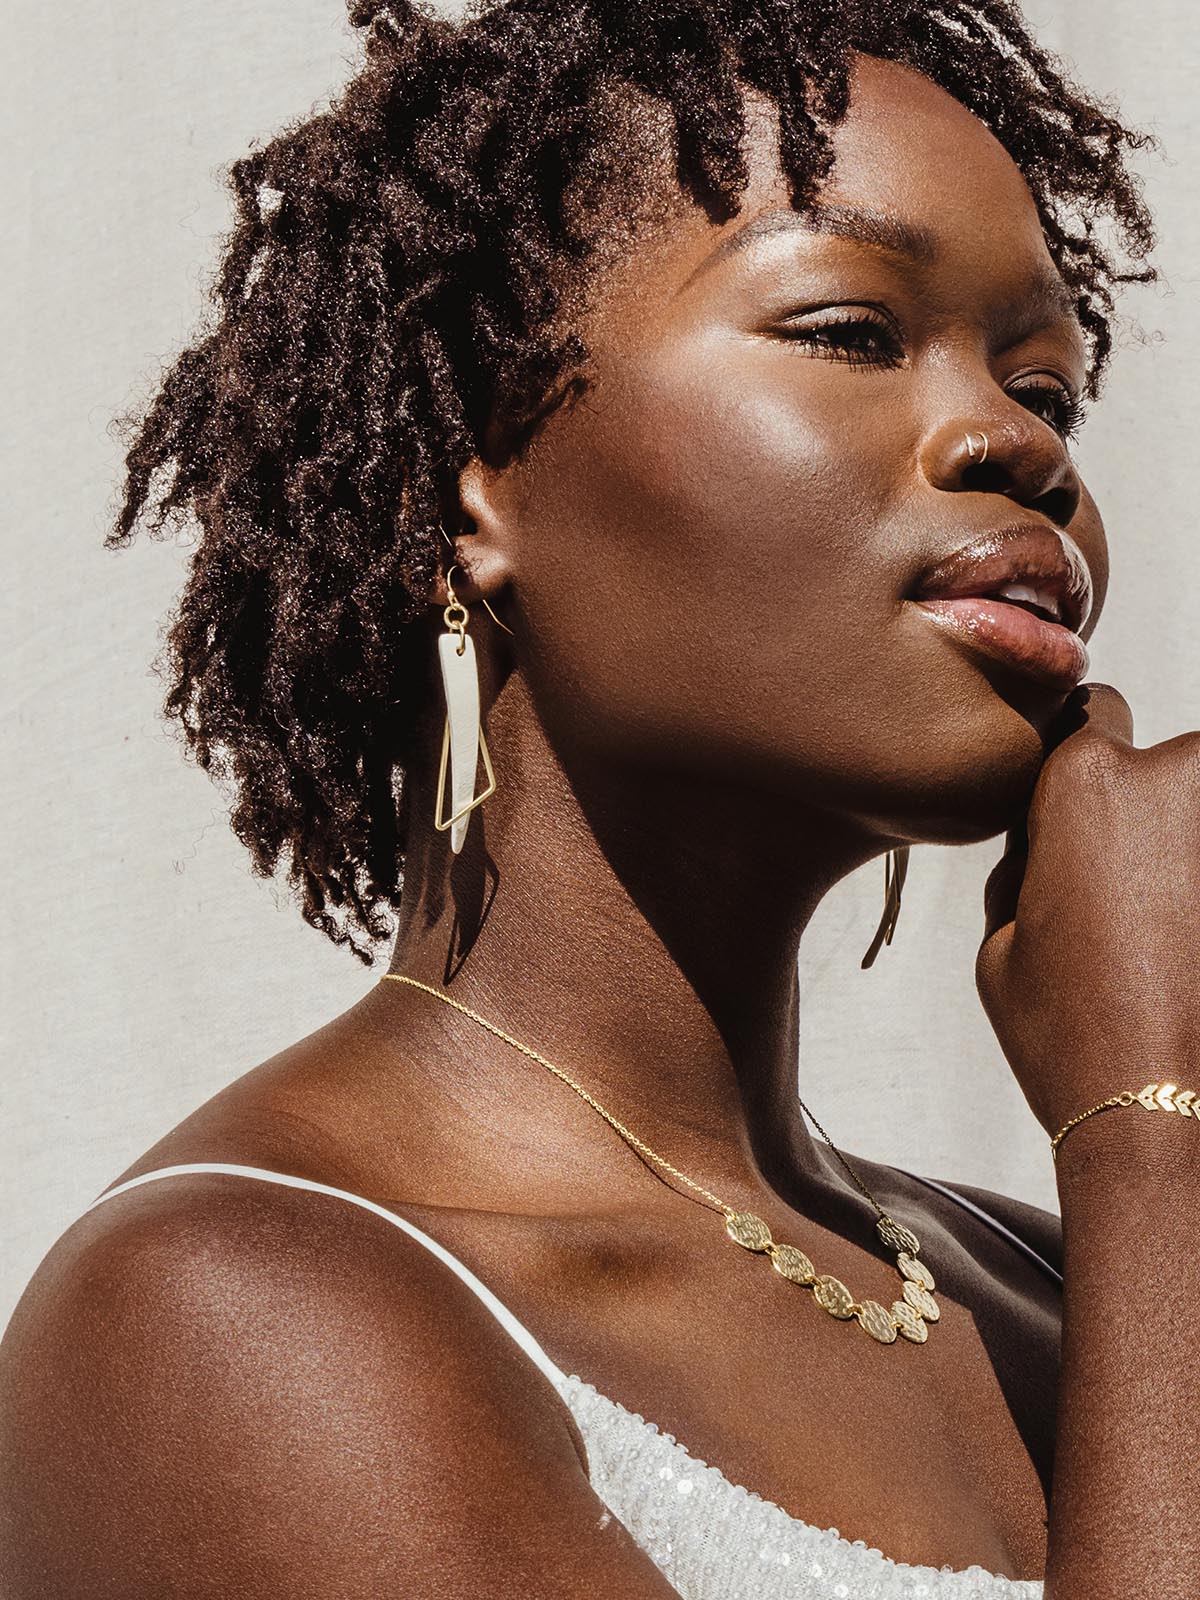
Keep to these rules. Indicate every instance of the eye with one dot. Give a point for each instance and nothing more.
(1055, 404)
(861, 339)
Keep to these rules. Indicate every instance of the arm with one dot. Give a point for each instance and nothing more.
(1125, 1504)
(1088, 974)
(208, 1392)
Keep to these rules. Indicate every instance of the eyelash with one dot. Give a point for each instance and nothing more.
(1069, 409)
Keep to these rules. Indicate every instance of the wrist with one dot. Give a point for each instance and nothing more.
(1128, 1147)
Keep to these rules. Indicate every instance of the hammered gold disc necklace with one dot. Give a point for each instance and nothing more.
(908, 1317)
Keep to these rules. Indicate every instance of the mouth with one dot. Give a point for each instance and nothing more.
(1017, 595)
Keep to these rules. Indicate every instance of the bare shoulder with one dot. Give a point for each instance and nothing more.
(214, 1386)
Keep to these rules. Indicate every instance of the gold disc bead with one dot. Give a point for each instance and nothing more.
(791, 1263)
(896, 1237)
(751, 1232)
(879, 1323)
(916, 1271)
(909, 1323)
(921, 1301)
(832, 1295)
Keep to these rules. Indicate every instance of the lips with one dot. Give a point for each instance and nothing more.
(1018, 595)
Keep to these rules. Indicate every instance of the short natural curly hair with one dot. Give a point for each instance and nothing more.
(391, 304)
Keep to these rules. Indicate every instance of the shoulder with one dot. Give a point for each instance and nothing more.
(214, 1386)
(214, 1255)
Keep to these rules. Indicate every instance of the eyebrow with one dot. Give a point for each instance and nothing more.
(891, 234)
(1048, 296)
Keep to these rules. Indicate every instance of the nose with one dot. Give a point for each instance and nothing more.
(1025, 459)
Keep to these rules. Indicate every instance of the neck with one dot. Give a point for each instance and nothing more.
(640, 931)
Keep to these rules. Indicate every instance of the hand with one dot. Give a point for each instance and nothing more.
(1089, 970)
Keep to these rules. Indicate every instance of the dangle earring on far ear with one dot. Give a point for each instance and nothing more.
(463, 741)
(895, 870)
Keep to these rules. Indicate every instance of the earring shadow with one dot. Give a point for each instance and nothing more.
(473, 881)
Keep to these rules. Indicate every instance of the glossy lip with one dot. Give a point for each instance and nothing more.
(1044, 650)
(1028, 552)
(959, 594)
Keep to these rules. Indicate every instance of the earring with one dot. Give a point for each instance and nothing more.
(895, 871)
(463, 741)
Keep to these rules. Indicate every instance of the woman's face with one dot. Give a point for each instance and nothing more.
(714, 552)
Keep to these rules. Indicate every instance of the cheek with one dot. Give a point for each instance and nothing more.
(700, 560)
(748, 454)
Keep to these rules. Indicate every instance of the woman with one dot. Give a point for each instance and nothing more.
(664, 375)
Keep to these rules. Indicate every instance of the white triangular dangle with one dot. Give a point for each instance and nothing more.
(463, 740)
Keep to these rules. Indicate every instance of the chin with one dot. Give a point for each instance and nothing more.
(983, 798)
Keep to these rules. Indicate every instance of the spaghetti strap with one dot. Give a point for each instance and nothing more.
(1022, 1245)
(498, 1309)
(517, 1330)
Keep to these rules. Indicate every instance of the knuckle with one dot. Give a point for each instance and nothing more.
(1090, 759)
(1181, 754)
(1088, 771)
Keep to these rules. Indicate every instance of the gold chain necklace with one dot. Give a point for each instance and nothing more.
(908, 1317)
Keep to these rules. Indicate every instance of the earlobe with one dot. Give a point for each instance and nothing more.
(485, 551)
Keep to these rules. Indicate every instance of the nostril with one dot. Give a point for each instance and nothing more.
(1059, 504)
(991, 476)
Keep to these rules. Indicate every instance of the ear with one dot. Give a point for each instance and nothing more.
(484, 540)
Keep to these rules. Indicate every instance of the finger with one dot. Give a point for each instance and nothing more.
(991, 964)
(1003, 886)
(1097, 706)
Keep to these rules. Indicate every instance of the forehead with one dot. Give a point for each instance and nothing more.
(914, 170)
(917, 152)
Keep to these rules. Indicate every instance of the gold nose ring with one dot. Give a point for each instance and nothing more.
(971, 446)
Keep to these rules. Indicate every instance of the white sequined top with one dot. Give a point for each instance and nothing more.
(713, 1539)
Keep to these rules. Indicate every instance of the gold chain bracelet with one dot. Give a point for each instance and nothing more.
(1155, 1097)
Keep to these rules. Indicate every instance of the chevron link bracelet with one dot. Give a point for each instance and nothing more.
(1155, 1097)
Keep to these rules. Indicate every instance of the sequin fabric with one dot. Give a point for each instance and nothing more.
(715, 1540)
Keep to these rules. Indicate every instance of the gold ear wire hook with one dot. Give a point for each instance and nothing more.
(495, 618)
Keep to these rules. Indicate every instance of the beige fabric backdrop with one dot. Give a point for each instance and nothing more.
(144, 964)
